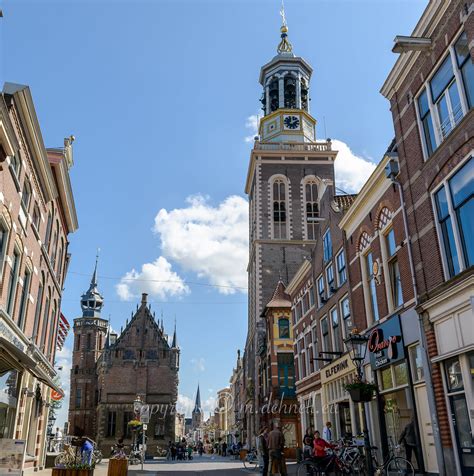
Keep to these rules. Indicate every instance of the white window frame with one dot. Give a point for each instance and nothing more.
(333, 336)
(326, 233)
(307, 180)
(3, 253)
(315, 346)
(339, 282)
(329, 293)
(321, 279)
(366, 287)
(450, 51)
(452, 214)
(323, 344)
(343, 319)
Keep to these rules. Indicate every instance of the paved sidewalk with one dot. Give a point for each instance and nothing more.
(214, 465)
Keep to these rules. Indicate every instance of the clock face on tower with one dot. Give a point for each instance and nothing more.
(291, 122)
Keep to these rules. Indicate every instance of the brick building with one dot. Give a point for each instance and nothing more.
(37, 213)
(321, 318)
(110, 371)
(431, 94)
(287, 166)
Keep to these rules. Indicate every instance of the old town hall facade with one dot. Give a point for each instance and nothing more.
(110, 371)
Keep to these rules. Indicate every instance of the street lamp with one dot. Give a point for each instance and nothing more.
(357, 347)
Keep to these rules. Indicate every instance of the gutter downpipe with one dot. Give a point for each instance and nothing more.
(423, 344)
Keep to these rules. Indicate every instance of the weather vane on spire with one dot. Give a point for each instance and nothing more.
(285, 45)
(282, 13)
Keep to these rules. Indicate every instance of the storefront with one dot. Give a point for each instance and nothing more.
(398, 368)
(452, 316)
(337, 405)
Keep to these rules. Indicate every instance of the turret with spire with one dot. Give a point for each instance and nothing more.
(197, 411)
(92, 301)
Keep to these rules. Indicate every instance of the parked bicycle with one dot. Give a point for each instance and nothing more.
(251, 460)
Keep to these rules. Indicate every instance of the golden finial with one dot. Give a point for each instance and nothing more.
(285, 45)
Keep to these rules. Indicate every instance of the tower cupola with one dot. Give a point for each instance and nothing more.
(285, 99)
(92, 301)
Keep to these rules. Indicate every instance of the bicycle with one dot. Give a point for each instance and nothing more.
(332, 464)
(251, 460)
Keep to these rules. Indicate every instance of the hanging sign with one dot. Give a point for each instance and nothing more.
(56, 396)
(385, 344)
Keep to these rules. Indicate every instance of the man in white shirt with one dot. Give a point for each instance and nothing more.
(327, 432)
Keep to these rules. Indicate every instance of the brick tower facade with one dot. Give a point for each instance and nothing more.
(288, 173)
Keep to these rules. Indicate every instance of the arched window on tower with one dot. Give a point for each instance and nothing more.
(304, 95)
(311, 209)
(290, 92)
(273, 94)
(279, 209)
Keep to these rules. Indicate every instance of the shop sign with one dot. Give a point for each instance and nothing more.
(385, 344)
(56, 396)
(335, 369)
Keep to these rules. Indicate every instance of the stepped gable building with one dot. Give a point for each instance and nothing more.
(110, 371)
(288, 173)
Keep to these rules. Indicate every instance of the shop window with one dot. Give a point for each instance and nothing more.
(400, 374)
(327, 246)
(284, 328)
(387, 380)
(346, 316)
(325, 334)
(24, 298)
(330, 280)
(13, 282)
(336, 332)
(394, 376)
(466, 66)
(321, 293)
(341, 268)
(416, 361)
(455, 208)
(453, 375)
(111, 423)
(286, 374)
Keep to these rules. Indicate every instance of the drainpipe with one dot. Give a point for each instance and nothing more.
(423, 344)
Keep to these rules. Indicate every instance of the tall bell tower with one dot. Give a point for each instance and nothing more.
(90, 331)
(289, 171)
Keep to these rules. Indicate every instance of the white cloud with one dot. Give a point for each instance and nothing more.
(156, 279)
(252, 124)
(209, 241)
(185, 405)
(351, 170)
(199, 364)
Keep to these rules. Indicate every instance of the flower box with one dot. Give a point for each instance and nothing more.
(117, 467)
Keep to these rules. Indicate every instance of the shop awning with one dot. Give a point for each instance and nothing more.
(28, 364)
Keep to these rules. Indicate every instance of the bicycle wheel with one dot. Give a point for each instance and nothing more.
(399, 466)
(307, 468)
(251, 462)
(60, 460)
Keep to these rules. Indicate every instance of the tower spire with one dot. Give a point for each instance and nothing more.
(94, 275)
(284, 45)
(174, 344)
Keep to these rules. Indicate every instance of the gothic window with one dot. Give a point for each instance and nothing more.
(273, 95)
(311, 208)
(279, 209)
(290, 92)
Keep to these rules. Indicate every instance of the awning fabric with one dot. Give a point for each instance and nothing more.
(28, 364)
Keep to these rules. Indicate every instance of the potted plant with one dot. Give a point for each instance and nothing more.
(361, 391)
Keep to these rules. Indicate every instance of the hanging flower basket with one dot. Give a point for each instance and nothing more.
(361, 391)
(135, 424)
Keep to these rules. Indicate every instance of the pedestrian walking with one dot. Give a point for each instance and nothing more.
(308, 443)
(409, 440)
(327, 432)
(276, 445)
(263, 449)
(86, 450)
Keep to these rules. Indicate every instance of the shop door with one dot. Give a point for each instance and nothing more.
(425, 430)
(345, 420)
(463, 433)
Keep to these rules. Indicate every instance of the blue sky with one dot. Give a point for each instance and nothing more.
(160, 96)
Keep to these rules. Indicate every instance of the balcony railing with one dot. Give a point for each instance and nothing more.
(451, 122)
(293, 147)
